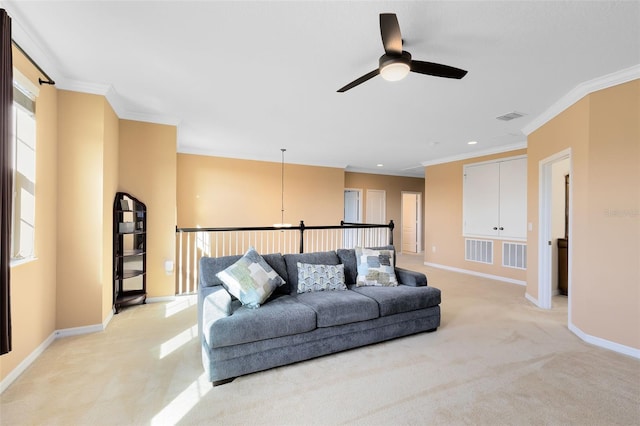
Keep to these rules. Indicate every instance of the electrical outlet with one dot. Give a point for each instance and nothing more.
(433, 249)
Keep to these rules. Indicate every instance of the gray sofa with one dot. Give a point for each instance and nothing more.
(291, 327)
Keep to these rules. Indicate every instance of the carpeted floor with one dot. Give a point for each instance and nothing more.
(495, 360)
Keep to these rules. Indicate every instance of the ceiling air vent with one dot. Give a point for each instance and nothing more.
(510, 116)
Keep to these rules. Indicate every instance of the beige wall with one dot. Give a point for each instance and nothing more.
(147, 170)
(110, 187)
(86, 175)
(225, 192)
(443, 219)
(603, 132)
(33, 284)
(80, 142)
(393, 187)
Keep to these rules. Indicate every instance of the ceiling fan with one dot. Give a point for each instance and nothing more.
(396, 63)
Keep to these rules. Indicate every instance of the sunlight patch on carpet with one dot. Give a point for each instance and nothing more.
(177, 341)
(183, 403)
(180, 304)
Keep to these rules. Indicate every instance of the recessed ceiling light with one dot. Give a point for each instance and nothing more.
(472, 142)
(380, 165)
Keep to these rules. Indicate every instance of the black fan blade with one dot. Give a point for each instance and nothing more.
(438, 70)
(390, 32)
(360, 80)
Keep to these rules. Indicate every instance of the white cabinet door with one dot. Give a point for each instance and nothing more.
(513, 199)
(481, 195)
(495, 199)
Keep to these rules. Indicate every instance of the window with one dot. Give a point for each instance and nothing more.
(24, 175)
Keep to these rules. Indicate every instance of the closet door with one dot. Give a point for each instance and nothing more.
(481, 196)
(513, 199)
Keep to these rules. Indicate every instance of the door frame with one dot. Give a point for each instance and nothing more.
(418, 219)
(545, 174)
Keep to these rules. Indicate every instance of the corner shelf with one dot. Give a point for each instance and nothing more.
(129, 251)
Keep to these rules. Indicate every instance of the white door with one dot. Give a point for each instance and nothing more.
(376, 206)
(410, 222)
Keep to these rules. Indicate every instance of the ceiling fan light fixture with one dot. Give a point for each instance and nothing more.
(396, 67)
(395, 71)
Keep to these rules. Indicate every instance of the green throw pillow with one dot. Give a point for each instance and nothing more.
(251, 280)
(375, 268)
(320, 277)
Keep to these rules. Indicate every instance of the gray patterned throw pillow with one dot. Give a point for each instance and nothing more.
(251, 280)
(375, 268)
(320, 277)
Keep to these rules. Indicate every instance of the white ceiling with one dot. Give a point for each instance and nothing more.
(244, 79)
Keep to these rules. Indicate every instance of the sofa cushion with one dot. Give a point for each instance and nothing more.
(340, 307)
(320, 277)
(403, 298)
(317, 258)
(250, 279)
(375, 267)
(282, 316)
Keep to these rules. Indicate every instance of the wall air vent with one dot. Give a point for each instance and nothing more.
(514, 255)
(510, 116)
(478, 250)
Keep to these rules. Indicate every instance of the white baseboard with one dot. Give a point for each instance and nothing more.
(161, 299)
(478, 274)
(603, 343)
(532, 299)
(65, 332)
(16, 372)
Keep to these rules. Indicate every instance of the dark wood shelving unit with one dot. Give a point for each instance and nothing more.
(129, 251)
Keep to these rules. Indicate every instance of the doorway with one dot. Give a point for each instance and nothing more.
(553, 226)
(411, 222)
(353, 205)
(352, 214)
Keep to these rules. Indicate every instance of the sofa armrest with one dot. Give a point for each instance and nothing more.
(411, 278)
(216, 304)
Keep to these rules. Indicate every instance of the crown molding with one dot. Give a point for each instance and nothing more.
(401, 173)
(579, 92)
(490, 151)
(192, 150)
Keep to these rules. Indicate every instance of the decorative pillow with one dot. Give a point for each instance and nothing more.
(375, 268)
(320, 277)
(251, 280)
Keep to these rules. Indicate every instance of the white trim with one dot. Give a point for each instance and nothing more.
(495, 160)
(544, 226)
(107, 320)
(419, 173)
(531, 299)
(74, 331)
(580, 91)
(161, 299)
(603, 343)
(489, 151)
(65, 332)
(22, 367)
(478, 274)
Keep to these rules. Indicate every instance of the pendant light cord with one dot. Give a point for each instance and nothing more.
(282, 194)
